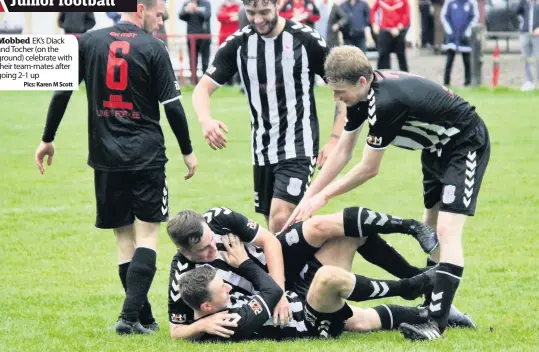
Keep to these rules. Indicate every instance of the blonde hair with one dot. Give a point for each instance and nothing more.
(345, 64)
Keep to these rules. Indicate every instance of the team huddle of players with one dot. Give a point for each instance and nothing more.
(232, 278)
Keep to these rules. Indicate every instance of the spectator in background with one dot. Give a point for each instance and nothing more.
(303, 11)
(197, 14)
(228, 15)
(391, 31)
(114, 16)
(458, 17)
(358, 12)
(76, 22)
(324, 7)
(337, 22)
(529, 39)
(426, 11)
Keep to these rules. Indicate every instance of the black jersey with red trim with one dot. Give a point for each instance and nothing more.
(127, 73)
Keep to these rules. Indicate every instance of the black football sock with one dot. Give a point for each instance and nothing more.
(380, 253)
(366, 289)
(139, 279)
(430, 263)
(146, 315)
(363, 222)
(122, 271)
(391, 316)
(448, 278)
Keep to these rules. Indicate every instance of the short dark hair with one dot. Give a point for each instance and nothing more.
(194, 286)
(254, 2)
(186, 228)
(148, 3)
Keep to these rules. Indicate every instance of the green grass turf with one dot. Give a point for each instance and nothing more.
(59, 286)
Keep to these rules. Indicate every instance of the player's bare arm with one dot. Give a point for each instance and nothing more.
(361, 173)
(338, 125)
(366, 169)
(201, 104)
(274, 256)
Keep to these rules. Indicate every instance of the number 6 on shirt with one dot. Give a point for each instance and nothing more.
(115, 61)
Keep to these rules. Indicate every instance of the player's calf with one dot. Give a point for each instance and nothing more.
(363, 222)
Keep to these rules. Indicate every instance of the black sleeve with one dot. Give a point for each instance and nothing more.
(355, 116)
(224, 65)
(317, 50)
(178, 311)
(164, 83)
(60, 100)
(223, 221)
(184, 16)
(268, 289)
(252, 316)
(178, 124)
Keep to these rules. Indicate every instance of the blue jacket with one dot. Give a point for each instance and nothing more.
(358, 18)
(529, 13)
(458, 17)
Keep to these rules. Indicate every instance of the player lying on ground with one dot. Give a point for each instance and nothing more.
(322, 314)
(330, 239)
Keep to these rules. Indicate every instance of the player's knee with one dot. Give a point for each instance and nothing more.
(362, 321)
(328, 276)
(277, 220)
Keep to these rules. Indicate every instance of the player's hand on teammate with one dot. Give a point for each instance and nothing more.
(325, 152)
(282, 314)
(191, 162)
(42, 150)
(212, 133)
(217, 324)
(305, 209)
(235, 250)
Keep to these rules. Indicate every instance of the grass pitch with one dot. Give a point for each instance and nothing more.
(59, 285)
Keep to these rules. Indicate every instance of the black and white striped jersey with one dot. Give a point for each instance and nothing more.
(256, 322)
(221, 221)
(278, 75)
(410, 112)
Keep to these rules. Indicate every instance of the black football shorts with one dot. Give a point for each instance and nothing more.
(123, 195)
(454, 178)
(287, 180)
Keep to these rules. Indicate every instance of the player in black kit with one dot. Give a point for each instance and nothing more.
(321, 313)
(304, 249)
(410, 112)
(127, 73)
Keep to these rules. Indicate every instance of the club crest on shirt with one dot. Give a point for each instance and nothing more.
(373, 140)
(255, 306)
(251, 224)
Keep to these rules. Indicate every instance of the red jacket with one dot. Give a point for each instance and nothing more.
(228, 16)
(395, 13)
(291, 9)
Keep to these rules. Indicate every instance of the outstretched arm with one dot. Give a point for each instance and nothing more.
(338, 125)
